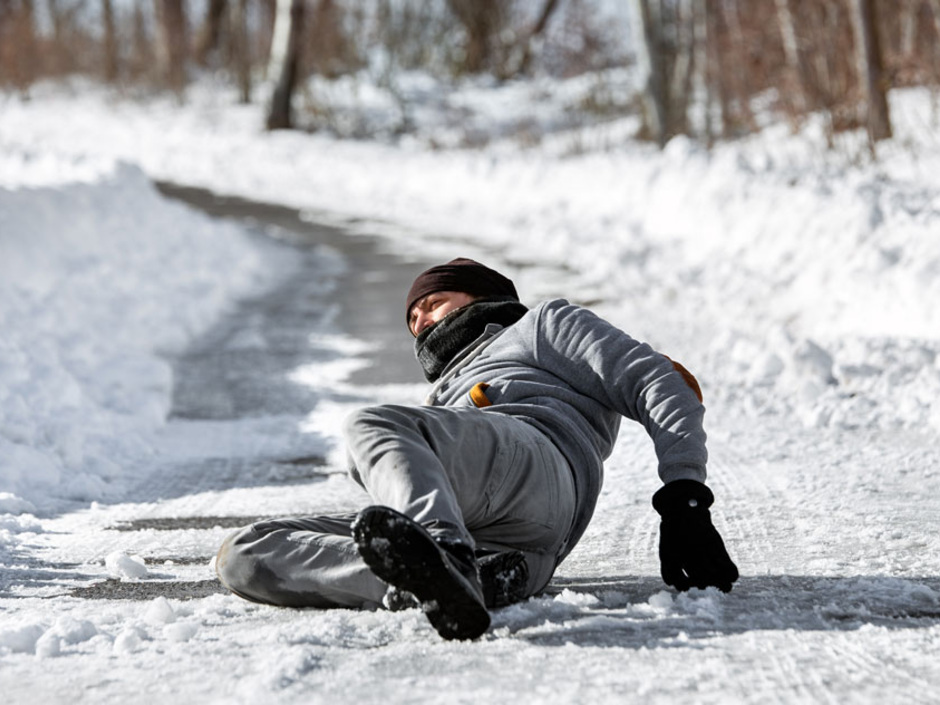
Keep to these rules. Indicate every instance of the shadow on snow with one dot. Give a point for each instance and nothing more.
(631, 611)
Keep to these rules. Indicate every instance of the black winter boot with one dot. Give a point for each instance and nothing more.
(504, 577)
(442, 575)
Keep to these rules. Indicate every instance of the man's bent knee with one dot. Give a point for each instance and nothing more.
(247, 574)
(238, 569)
(262, 564)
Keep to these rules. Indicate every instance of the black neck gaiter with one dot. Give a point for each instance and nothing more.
(439, 344)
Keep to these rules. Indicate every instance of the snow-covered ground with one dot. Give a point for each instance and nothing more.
(799, 284)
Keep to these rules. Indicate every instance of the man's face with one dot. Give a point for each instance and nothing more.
(430, 309)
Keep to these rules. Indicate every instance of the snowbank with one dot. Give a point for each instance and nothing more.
(99, 281)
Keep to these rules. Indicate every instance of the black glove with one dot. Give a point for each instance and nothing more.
(691, 551)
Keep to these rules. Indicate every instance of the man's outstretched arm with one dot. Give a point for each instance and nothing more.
(640, 383)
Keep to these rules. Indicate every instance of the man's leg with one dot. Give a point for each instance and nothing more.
(474, 476)
(313, 562)
(466, 473)
(299, 562)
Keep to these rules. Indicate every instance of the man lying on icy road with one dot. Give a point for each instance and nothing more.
(483, 491)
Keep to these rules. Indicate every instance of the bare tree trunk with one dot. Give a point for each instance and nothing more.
(522, 59)
(172, 47)
(934, 6)
(54, 59)
(701, 76)
(241, 52)
(18, 48)
(791, 50)
(829, 84)
(482, 20)
(211, 30)
(332, 51)
(909, 11)
(719, 81)
(142, 50)
(285, 57)
(110, 42)
(280, 35)
(871, 71)
(547, 9)
(681, 84)
(935, 11)
(651, 70)
(737, 72)
(57, 19)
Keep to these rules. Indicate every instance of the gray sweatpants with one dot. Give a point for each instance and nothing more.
(489, 479)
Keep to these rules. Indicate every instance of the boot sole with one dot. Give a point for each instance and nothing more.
(400, 552)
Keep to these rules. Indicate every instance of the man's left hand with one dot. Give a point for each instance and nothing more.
(691, 551)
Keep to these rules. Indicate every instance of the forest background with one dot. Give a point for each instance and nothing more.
(710, 69)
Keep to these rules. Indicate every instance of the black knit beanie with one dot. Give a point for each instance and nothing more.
(461, 274)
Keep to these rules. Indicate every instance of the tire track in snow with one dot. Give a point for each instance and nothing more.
(755, 515)
(858, 661)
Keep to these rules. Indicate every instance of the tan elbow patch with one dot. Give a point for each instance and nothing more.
(478, 395)
(688, 377)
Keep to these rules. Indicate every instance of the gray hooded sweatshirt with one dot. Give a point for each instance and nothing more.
(573, 376)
